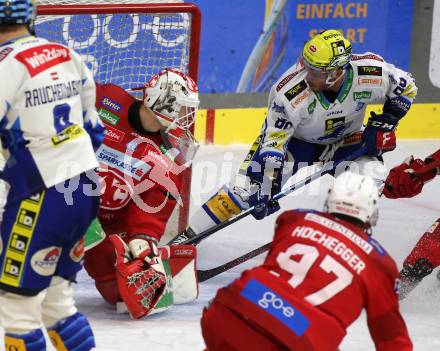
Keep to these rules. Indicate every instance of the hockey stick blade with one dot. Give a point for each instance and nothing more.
(204, 275)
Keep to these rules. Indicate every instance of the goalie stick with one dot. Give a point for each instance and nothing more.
(189, 237)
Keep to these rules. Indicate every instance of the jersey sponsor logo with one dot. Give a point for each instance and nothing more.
(360, 95)
(125, 163)
(18, 243)
(300, 99)
(40, 58)
(12, 269)
(328, 223)
(116, 191)
(77, 251)
(334, 127)
(311, 107)
(70, 133)
(5, 52)
(26, 218)
(269, 301)
(370, 81)
(108, 117)
(111, 104)
(332, 113)
(295, 90)
(114, 134)
(369, 71)
(52, 93)
(45, 261)
(367, 57)
(286, 80)
(157, 157)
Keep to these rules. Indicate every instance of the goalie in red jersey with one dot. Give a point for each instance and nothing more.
(322, 269)
(407, 180)
(147, 147)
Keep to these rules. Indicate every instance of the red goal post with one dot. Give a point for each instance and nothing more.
(125, 42)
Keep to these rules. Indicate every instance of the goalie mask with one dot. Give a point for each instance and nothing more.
(173, 97)
(355, 196)
(324, 54)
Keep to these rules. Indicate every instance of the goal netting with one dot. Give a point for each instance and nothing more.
(125, 42)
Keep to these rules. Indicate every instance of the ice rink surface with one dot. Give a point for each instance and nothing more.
(401, 223)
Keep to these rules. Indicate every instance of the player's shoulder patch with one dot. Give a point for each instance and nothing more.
(5, 52)
(367, 56)
(369, 71)
(286, 80)
(295, 90)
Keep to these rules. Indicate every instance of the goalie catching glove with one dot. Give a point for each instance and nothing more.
(142, 279)
(140, 274)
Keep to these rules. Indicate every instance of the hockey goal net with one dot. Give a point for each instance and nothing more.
(125, 42)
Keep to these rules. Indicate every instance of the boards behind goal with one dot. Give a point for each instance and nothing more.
(125, 42)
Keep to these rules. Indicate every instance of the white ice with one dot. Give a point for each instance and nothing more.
(400, 225)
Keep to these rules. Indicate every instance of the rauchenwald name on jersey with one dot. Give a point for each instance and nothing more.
(295, 110)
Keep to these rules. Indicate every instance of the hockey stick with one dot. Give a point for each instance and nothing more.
(189, 237)
(203, 275)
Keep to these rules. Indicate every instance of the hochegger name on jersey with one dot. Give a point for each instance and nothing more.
(332, 244)
(52, 93)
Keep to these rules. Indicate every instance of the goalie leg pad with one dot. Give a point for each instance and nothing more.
(183, 270)
(141, 285)
(32, 341)
(72, 333)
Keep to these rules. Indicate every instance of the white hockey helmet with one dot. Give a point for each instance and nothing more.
(355, 196)
(173, 97)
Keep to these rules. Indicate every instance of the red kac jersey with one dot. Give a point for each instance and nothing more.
(140, 183)
(318, 276)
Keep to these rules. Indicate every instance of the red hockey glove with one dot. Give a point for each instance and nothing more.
(140, 275)
(379, 136)
(402, 180)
